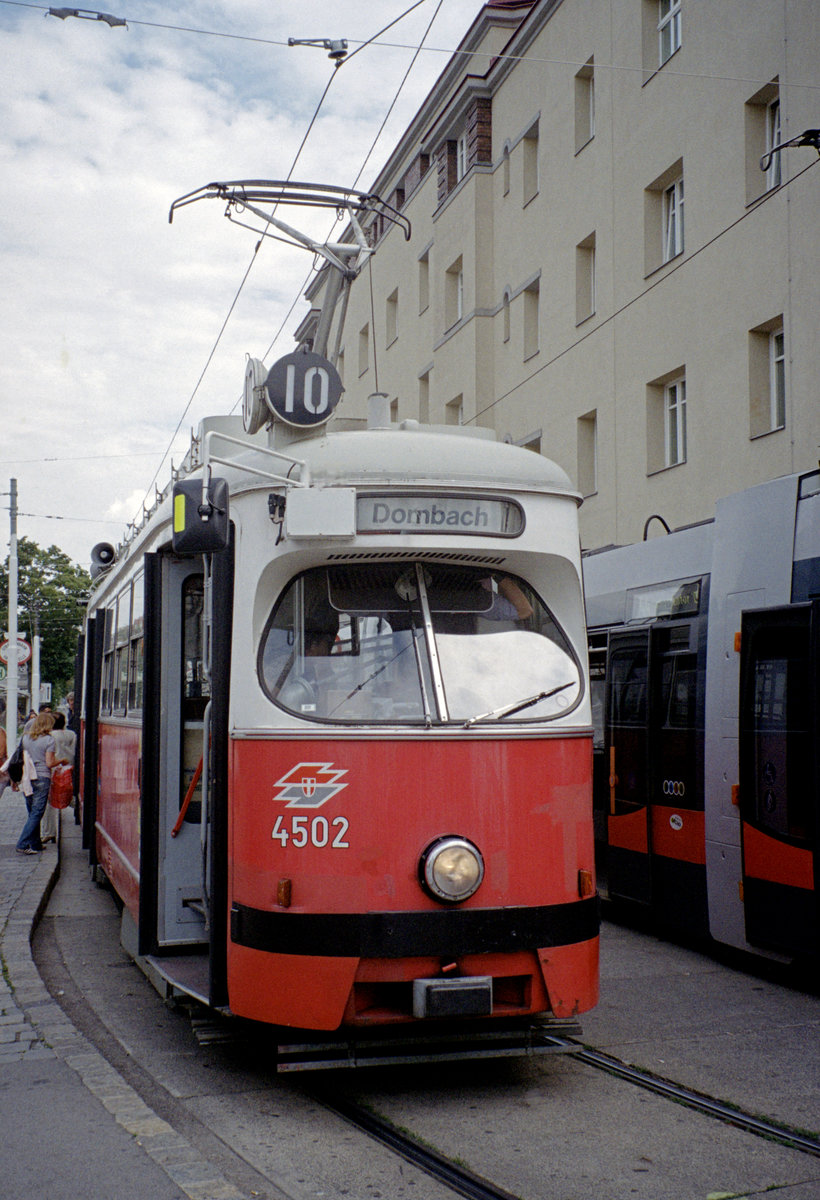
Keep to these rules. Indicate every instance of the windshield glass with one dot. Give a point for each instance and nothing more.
(422, 643)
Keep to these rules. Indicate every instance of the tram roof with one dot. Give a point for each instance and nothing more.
(412, 455)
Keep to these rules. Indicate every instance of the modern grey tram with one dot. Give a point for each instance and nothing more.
(705, 674)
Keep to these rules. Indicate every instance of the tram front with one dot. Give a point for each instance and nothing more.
(409, 798)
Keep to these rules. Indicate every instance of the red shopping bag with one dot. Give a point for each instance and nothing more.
(61, 790)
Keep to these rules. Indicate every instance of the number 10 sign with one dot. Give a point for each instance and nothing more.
(303, 389)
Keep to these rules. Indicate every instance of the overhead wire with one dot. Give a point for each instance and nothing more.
(684, 261)
(261, 239)
(488, 56)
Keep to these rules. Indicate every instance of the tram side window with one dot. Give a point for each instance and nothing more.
(135, 670)
(628, 677)
(123, 633)
(783, 746)
(679, 691)
(108, 666)
(195, 686)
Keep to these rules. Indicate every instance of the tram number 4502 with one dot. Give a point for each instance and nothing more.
(318, 831)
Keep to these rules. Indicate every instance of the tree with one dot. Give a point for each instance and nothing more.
(52, 592)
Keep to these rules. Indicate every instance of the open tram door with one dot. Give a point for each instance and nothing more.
(183, 872)
(779, 752)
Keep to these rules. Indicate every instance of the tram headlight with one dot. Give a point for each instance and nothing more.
(451, 869)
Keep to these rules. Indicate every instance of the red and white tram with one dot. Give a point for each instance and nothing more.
(337, 737)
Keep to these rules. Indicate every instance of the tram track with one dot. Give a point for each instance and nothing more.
(452, 1175)
(464, 1182)
(697, 1101)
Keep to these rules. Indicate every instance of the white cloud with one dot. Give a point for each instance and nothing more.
(109, 313)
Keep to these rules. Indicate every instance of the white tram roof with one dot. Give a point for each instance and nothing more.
(407, 454)
(347, 453)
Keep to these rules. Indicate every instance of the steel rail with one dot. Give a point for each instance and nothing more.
(443, 1170)
(721, 1111)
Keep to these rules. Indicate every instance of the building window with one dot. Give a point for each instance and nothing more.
(774, 174)
(587, 442)
(532, 300)
(663, 218)
(585, 279)
(763, 130)
(505, 169)
(505, 316)
(767, 378)
(674, 403)
(424, 282)
(673, 220)
(666, 421)
(585, 105)
(454, 411)
(454, 294)
(392, 317)
(529, 146)
(668, 29)
(364, 349)
(424, 398)
(461, 156)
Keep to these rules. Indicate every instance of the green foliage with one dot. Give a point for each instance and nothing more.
(52, 592)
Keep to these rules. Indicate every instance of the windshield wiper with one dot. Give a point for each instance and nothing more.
(507, 710)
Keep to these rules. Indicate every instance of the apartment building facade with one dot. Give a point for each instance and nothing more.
(598, 267)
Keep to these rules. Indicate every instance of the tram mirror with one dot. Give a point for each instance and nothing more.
(200, 527)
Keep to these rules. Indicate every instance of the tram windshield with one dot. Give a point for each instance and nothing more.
(418, 643)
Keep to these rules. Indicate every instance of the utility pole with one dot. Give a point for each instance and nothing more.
(11, 678)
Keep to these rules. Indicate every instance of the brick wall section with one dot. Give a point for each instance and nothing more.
(446, 169)
(479, 127)
(416, 172)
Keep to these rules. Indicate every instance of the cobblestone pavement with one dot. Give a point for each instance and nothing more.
(33, 1027)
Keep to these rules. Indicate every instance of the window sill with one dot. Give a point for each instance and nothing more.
(584, 145)
(530, 199)
(755, 437)
(668, 467)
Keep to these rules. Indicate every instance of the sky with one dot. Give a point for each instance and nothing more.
(110, 313)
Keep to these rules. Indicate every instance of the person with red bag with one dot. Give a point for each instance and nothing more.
(61, 792)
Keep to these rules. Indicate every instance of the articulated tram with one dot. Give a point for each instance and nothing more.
(705, 665)
(337, 735)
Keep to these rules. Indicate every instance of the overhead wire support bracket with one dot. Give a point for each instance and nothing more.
(809, 137)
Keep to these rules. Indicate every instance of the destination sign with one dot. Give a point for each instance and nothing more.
(438, 514)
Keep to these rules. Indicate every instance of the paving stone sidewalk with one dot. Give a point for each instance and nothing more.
(102, 1139)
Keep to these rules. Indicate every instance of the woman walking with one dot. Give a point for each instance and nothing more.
(65, 745)
(39, 744)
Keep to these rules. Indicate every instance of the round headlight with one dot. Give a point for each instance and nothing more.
(452, 869)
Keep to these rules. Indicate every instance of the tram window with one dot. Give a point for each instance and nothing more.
(783, 745)
(107, 682)
(679, 690)
(388, 642)
(195, 686)
(628, 675)
(135, 674)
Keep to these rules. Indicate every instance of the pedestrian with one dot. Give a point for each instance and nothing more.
(65, 741)
(40, 750)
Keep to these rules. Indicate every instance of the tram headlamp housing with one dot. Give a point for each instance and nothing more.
(451, 869)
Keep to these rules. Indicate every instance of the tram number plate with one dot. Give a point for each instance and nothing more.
(312, 831)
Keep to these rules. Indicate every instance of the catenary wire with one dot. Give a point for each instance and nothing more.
(443, 50)
(629, 303)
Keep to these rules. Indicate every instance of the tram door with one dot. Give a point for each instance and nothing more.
(173, 848)
(654, 750)
(627, 751)
(779, 750)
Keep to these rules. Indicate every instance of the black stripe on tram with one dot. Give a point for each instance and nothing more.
(415, 934)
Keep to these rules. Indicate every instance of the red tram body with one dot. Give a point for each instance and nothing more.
(337, 753)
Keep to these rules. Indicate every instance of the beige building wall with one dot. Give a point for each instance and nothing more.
(533, 296)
